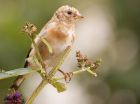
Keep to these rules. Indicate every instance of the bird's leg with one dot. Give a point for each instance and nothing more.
(67, 76)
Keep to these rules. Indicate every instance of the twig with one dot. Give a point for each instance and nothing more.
(36, 92)
(50, 75)
(74, 73)
(30, 30)
(38, 54)
(44, 82)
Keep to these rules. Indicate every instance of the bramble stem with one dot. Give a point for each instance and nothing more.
(36, 92)
(75, 73)
(50, 75)
(44, 82)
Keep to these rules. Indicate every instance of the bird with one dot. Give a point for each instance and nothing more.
(59, 32)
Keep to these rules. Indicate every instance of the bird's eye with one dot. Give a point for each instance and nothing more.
(69, 12)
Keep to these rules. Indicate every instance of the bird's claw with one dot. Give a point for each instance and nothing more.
(67, 76)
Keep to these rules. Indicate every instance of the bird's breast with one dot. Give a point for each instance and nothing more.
(57, 37)
(58, 40)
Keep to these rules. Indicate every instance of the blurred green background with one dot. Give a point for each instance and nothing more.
(118, 81)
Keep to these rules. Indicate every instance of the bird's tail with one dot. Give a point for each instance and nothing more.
(17, 82)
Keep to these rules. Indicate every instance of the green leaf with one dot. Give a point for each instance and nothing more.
(15, 72)
(59, 86)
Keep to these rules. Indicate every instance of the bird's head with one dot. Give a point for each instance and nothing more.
(68, 14)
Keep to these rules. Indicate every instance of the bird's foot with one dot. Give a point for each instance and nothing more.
(67, 76)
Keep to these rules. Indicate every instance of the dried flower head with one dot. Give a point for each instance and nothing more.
(14, 98)
(30, 29)
(83, 61)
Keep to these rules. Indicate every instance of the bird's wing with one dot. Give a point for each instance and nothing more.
(42, 47)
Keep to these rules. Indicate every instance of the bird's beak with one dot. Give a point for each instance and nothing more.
(80, 16)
